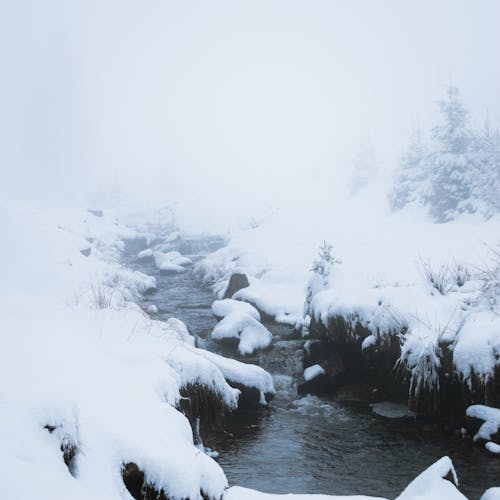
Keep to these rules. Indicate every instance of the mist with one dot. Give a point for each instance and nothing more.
(242, 101)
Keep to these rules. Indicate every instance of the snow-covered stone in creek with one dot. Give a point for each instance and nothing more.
(252, 335)
(221, 308)
(490, 417)
(437, 482)
(312, 372)
(491, 494)
(170, 268)
(239, 493)
(182, 261)
(492, 447)
(145, 254)
(166, 262)
(152, 309)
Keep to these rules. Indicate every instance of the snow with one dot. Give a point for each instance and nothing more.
(152, 309)
(431, 484)
(171, 262)
(491, 494)
(312, 372)
(242, 373)
(239, 493)
(493, 447)
(222, 308)
(80, 357)
(182, 261)
(490, 417)
(145, 254)
(240, 325)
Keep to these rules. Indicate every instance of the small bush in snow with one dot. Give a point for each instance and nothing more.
(490, 278)
(324, 264)
(441, 278)
(321, 272)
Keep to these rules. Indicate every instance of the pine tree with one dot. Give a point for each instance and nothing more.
(450, 179)
(485, 156)
(413, 171)
(459, 172)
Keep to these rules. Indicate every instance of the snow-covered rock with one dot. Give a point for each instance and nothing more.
(239, 493)
(182, 261)
(171, 262)
(152, 309)
(312, 372)
(489, 427)
(239, 325)
(437, 482)
(222, 308)
(145, 254)
(491, 494)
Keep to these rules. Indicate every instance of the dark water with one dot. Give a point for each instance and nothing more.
(310, 444)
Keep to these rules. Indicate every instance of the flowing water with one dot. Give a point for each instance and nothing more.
(308, 444)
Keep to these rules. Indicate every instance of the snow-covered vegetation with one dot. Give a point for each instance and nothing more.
(457, 172)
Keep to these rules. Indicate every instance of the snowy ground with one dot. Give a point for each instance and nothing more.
(84, 369)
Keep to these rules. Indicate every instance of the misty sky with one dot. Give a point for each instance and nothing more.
(208, 96)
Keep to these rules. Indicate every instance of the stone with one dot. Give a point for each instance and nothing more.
(237, 281)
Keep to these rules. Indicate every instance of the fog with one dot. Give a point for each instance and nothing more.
(248, 101)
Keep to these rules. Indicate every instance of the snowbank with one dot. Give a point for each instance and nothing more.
(88, 382)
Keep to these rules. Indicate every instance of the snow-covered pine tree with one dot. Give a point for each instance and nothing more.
(410, 181)
(485, 156)
(452, 171)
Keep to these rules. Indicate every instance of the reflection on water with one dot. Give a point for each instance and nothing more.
(311, 444)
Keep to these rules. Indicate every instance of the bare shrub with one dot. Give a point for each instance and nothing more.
(441, 278)
(489, 275)
(104, 297)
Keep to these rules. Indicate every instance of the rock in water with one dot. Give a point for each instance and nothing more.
(236, 282)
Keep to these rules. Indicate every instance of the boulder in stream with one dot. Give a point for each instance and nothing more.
(237, 281)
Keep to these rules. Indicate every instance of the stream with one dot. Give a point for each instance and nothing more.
(307, 444)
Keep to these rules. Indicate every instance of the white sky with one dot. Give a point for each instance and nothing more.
(214, 96)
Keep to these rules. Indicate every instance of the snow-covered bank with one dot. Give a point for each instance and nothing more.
(428, 291)
(88, 382)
